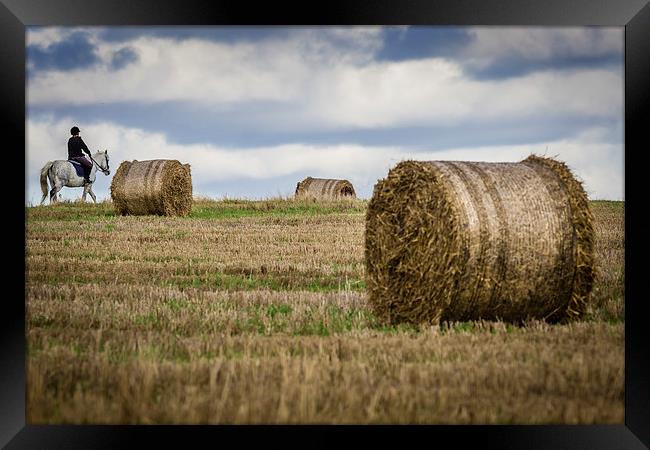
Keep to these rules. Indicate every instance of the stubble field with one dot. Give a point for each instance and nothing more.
(255, 312)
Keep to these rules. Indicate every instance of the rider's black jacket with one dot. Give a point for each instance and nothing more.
(75, 146)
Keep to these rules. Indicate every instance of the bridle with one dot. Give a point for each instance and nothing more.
(104, 171)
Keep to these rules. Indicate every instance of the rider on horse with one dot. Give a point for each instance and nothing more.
(75, 146)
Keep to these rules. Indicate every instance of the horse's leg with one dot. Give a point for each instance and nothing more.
(43, 199)
(86, 189)
(57, 187)
(51, 180)
(92, 194)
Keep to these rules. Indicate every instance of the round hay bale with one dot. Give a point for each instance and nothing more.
(457, 241)
(325, 188)
(159, 186)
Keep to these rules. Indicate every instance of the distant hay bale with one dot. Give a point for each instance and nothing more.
(159, 186)
(325, 188)
(456, 241)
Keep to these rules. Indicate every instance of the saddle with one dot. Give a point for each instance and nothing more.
(78, 167)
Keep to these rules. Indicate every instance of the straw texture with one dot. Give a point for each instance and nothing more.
(325, 188)
(156, 187)
(455, 241)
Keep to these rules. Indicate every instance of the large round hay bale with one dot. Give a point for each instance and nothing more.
(325, 188)
(158, 186)
(456, 241)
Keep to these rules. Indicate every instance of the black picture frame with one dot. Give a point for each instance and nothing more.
(15, 15)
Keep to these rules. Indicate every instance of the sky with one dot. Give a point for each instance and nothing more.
(254, 110)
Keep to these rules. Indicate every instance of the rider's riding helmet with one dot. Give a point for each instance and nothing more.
(74, 131)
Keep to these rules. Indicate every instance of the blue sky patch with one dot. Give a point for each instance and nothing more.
(73, 53)
(123, 57)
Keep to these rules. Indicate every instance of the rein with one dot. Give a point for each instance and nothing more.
(100, 167)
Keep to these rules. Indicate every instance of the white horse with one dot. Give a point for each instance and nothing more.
(62, 173)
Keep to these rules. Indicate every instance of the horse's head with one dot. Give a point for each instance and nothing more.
(102, 161)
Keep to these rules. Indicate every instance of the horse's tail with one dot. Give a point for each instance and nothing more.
(44, 187)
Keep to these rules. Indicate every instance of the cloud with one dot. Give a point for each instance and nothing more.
(592, 157)
(256, 124)
(539, 43)
(167, 70)
(480, 52)
(436, 92)
(227, 34)
(43, 36)
(504, 52)
(318, 82)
